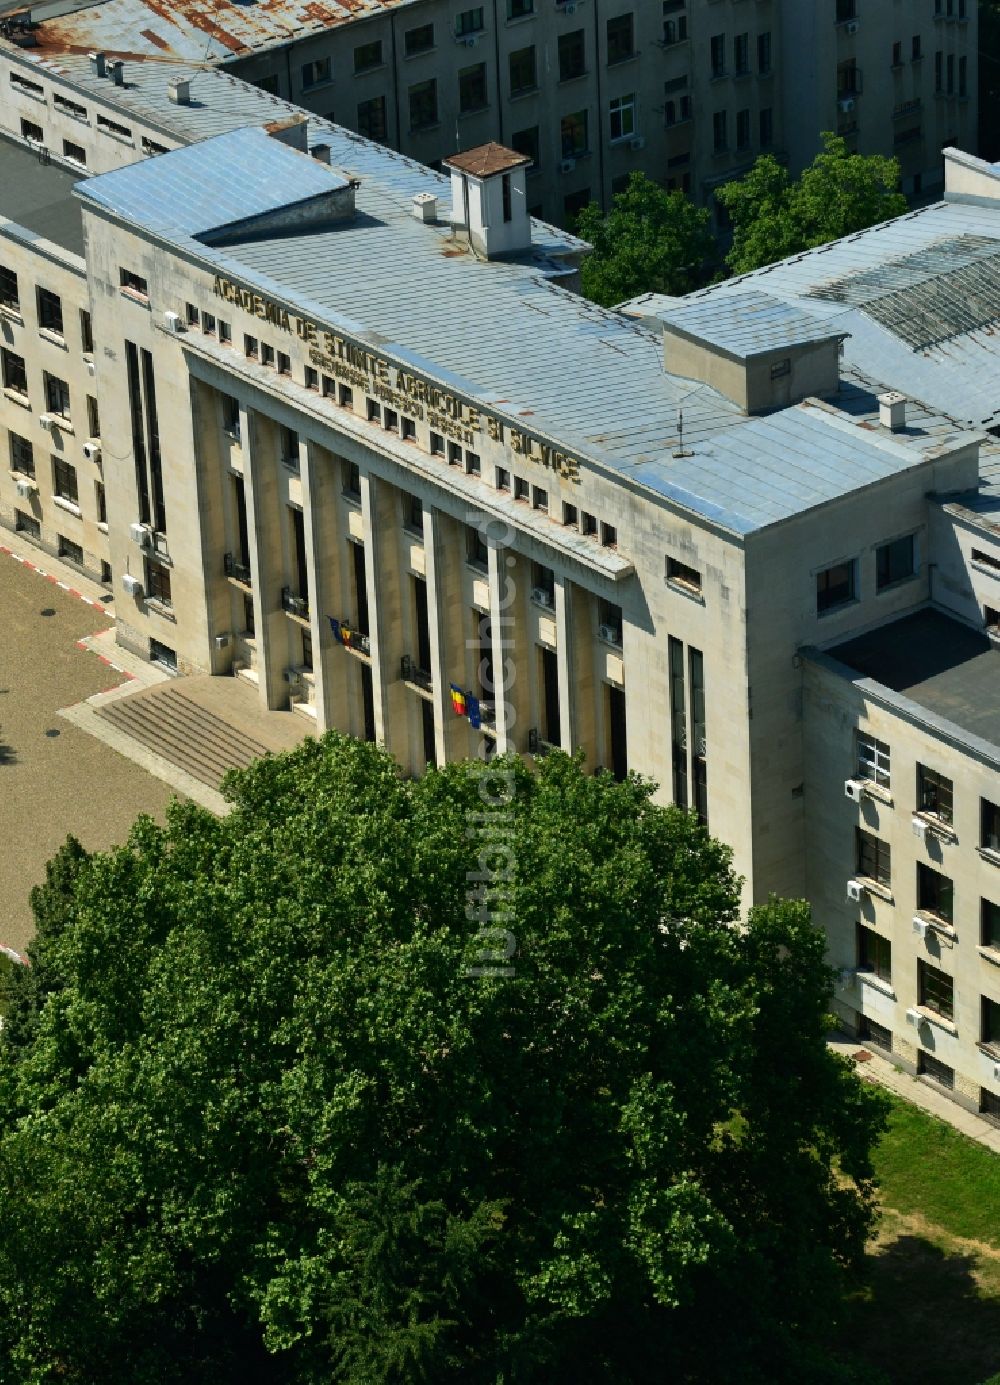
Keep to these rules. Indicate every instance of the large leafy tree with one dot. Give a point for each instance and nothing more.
(774, 215)
(267, 1113)
(652, 241)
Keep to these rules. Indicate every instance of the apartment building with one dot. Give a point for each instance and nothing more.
(690, 91)
(365, 450)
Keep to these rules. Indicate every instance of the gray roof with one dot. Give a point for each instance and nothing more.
(505, 335)
(39, 197)
(936, 662)
(919, 297)
(744, 325)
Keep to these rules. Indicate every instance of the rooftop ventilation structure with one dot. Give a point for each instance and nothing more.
(892, 411)
(179, 91)
(489, 200)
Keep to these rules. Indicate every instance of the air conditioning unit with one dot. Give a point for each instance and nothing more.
(292, 675)
(855, 890)
(919, 827)
(851, 26)
(847, 104)
(569, 8)
(172, 322)
(468, 40)
(996, 1069)
(854, 790)
(221, 641)
(92, 450)
(542, 596)
(914, 1017)
(25, 486)
(132, 585)
(567, 166)
(141, 534)
(609, 633)
(89, 363)
(638, 142)
(47, 421)
(920, 927)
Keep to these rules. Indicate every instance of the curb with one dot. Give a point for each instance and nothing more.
(26, 562)
(85, 645)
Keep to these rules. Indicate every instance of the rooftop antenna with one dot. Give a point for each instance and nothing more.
(679, 449)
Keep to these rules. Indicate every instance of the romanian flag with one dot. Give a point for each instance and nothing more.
(346, 637)
(335, 627)
(457, 700)
(472, 705)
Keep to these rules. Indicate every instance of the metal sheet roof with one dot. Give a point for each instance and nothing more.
(199, 30)
(955, 375)
(502, 333)
(746, 324)
(39, 197)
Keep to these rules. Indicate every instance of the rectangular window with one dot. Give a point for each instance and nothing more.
(621, 114)
(950, 70)
(352, 480)
(112, 127)
(50, 314)
(588, 524)
(454, 454)
(717, 49)
(317, 72)
(935, 893)
(572, 55)
(390, 420)
(527, 142)
(609, 535)
(93, 417)
(610, 623)
(521, 489)
(916, 51)
(134, 285)
(284, 364)
(720, 138)
(208, 324)
(56, 395)
(621, 42)
(415, 521)
(765, 123)
(32, 131)
(699, 744)
(523, 71)
(873, 759)
(74, 153)
(678, 723)
(311, 378)
(741, 54)
(251, 347)
(990, 1023)
(874, 953)
(675, 30)
(573, 135)
(8, 289)
(25, 84)
(289, 443)
(266, 354)
(539, 498)
(437, 445)
(231, 415)
(423, 104)
(935, 989)
(372, 119)
(989, 932)
(873, 857)
(941, 1073)
(876, 1034)
(473, 463)
(835, 587)
(472, 89)
(418, 40)
(15, 376)
(469, 22)
(225, 333)
(569, 514)
(368, 55)
(963, 76)
(743, 133)
(22, 455)
(989, 831)
(763, 53)
(520, 9)
(897, 54)
(895, 562)
(934, 793)
(846, 9)
(345, 397)
(502, 479)
(158, 582)
(477, 553)
(374, 411)
(683, 576)
(27, 524)
(72, 552)
(150, 147)
(64, 483)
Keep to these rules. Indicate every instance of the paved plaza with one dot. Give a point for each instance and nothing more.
(55, 779)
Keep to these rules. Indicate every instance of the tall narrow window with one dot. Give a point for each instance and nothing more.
(508, 210)
(299, 554)
(699, 743)
(421, 613)
(360, 588)
(153, 437)
(678, 723)
(138, 435)
(550, 695)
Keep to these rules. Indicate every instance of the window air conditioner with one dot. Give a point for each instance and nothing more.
(854, 790)
(855, 890)
(92, 450)
(919, 827)
(852, 26)
(920, 927)
(914, 1017)
(609, 633)
(89, 363)
(132, 585)
(996, 1069)
(172, 323)
(221, 641)
(542, 596)
(25, 486)
(47, 421)
(847, 104)
(567, 166)
(292, 675)
(140, 534)
(637, 142)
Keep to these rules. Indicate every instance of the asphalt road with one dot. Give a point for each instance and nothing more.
(55, 780)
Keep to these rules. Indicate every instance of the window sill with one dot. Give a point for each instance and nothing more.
(69, 506)
(135, 296)
(620, 62)
(990, 1050)
(877, 792)
(352, 499)
(989, 954)
(682, 589)
(128, 140)
(576, 77)
(56, 338)
(63, 424)
(420, 53)
(524, 92)
(891, 587)
(102, 525)
(941, 829)
(11, 314)
(16, 397)
(159, 608)
(940, 926)
(978, 567)
(876, 888)
(987, 855)
(368, 71)
(425, 129)
(932, 1017)
(837, 610)
(473, 110)
(38, 96)
(868, 978)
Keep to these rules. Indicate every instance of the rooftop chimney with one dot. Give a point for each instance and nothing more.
(117, 71)
(425, 207)
(489, 199)
(99, 64)
(892, 411)
(321, 152)
(292, 130)
(179, 91)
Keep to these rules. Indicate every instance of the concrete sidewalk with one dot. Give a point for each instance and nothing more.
(876, 1067)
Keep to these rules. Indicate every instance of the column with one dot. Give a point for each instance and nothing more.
(564, 661)
(447, 631)
(260, 479)
(319, 508)
(384, 614)
(503, 594)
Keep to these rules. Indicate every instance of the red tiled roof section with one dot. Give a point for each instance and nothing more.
(486, 159)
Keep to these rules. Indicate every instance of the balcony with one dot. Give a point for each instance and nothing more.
(238, 570)
(294, 605)
(411, 672)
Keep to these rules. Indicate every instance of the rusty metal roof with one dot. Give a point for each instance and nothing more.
(197, 30)
(486, 159)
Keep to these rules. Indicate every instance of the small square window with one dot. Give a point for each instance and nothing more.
(312, 378)
(266, 354)
(345, 397)
(609, 535)
(284, 364)
(251, 347)
(225, 333)
(570, 515)
(836, 586)
(390, 420)
(521, 489)
(374, 411)
(454, 454)
(588, 524)
(473, 464)
(502, 478)
(368, 55)
(437, 445)
(208, 324)
(895, 562)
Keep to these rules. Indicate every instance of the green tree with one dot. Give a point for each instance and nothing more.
(264, 1125)
(774, 216)
(652, 241)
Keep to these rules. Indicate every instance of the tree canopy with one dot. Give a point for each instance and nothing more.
(775, 216)
(652, 241)
(267, 1115)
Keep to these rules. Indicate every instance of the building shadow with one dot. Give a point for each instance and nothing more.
(7, 756)
(920, 1317)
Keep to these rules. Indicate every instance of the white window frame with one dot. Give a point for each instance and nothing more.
(873, 760)
(624, 109)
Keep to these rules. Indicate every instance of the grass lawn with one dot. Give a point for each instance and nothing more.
(929, 1310)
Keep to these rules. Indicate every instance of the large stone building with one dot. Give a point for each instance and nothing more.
(691, 91)
(354, 440)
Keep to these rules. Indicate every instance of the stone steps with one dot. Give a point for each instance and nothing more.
(187, 735)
